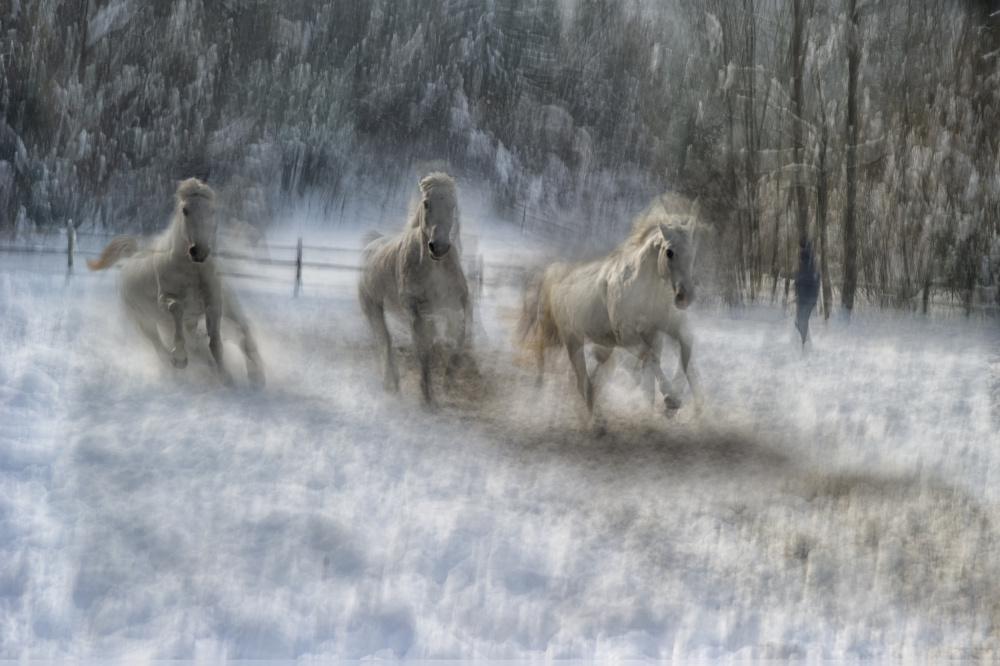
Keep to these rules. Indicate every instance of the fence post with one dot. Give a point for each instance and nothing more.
(70, 246)
(298, 267)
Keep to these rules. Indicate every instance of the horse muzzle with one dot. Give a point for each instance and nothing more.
(199, 253)
(682, 299)
(438, 250)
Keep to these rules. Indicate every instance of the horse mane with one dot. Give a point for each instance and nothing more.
(671, 209)
(192, 187)
(428, 183)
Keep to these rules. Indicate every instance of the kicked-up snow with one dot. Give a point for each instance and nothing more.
(834, 503)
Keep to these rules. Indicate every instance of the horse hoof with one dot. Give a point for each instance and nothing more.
(671, 403)
(180, 363)
(597, 426)
(471, 367)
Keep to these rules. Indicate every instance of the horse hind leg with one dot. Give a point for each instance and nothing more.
(148, 327)
(457, 328)
(540, 361)
(151, 332)
(233, 314)
(251, 355)
(605, 364)
(255, 366)
(423, 342)
(579, 362)
(375, 314)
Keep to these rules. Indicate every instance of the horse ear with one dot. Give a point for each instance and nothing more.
(664, 229)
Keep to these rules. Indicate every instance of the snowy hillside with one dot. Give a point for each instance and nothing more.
(837, 503)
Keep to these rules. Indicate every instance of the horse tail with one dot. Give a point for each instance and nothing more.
(120, 246)
(536, 327)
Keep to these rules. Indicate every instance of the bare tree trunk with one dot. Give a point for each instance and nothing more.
(750, 152)
(775, 269)
(821, 205)
(798, 65)
(850, 229)
(85, 23)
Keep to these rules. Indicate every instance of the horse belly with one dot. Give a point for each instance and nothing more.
(579, 310)
(138, 288)
(378, 283)
(140, 292)
(648, 309)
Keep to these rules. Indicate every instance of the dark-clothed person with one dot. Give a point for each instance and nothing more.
(806, 288)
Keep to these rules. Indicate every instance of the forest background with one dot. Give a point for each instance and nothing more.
(869, 129)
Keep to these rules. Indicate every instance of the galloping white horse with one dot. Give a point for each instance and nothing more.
(176, 282)
(415, 275)
(629, 299)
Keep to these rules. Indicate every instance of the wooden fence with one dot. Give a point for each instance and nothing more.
(984, 300)
(71, 249)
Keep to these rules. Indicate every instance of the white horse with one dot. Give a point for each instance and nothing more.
(415, 276)
(176, 283)
(631, 298)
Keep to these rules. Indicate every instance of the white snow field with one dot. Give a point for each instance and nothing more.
(837, 503)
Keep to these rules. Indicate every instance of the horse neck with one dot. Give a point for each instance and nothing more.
(415, 228)
(417, 220)
(644, 257)
(175, 239)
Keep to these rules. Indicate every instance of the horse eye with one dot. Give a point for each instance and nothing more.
(427, 204)
(670, 253)
(184, 210)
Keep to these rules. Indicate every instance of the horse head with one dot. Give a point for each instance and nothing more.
(196, 210)
(675, 259)
(438, 212)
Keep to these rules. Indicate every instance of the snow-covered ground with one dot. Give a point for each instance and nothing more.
(837, 503)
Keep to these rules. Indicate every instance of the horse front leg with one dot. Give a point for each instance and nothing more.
(579, 362)
(255, 366)
(213, 322)
(423, 343)
(175, 308)
(669, 390)
(686, 341)
(458, 328)
(647, 348)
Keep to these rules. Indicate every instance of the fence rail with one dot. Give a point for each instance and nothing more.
(71, 250)
(985, 303)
